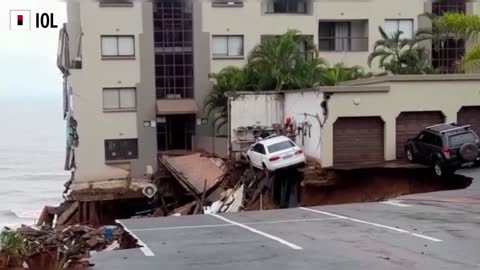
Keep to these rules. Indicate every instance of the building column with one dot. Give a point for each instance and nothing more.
(390, 137)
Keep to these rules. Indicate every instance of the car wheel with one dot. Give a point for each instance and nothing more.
(409, 154)
(265, 169)
(437, 167)
(250, 163)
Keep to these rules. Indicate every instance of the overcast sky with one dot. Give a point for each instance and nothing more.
(28, 59)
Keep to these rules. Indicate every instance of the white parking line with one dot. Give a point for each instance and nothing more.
(230, 225)
(272, 237)
(145, 249)
(373, 224)
(396, 203)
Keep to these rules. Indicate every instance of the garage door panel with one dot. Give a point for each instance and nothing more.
(470, 116)
(409, 124)
(358, 140)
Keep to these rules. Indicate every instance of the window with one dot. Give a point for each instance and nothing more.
(430, 138)
(227, 46)
(123, 149)
(116, 3)
(280, 146)
(343, 35)
(221, 3)
(460, 139)
(118, 46)
(119, 99)
(405, 25)
(259, 148)
(287, 6)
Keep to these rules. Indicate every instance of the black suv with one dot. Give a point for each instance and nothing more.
(446, 147)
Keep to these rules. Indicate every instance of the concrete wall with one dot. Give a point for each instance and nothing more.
(146, 105)
(251, 22)
(404, 96)
(94, 126)
(256, 109)
(302, 107)
(216, 145)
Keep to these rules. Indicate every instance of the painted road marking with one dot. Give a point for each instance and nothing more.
(373, 224)
(396, 203)
(145, 249)
(231, 225)
(272, 237)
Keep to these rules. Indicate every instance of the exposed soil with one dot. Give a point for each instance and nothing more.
(371, 185)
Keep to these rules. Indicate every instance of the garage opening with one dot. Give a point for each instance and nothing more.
(409, 124)
(470, 116)
(358, 140)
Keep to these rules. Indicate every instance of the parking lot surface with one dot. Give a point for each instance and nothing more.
(426, 231)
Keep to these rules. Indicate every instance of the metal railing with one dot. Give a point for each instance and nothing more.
(343, 44)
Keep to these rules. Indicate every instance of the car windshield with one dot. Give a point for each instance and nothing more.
(460, 139)
(280, 146)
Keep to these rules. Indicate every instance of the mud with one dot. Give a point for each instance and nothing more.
(371, 185)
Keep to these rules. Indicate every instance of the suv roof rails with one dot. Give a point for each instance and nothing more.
(457, 128)
(439, 125)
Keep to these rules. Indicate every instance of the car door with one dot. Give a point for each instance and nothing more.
(421, 146)
(261, 155)
(430, 145)
(255, 155)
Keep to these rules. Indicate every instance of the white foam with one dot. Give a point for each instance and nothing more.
(27, 213)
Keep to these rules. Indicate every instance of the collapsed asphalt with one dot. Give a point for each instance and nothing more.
(438, 230)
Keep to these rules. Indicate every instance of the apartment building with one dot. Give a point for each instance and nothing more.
(137, 72)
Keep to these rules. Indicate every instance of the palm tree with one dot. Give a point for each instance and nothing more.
(229, 79)
(468, 28)
(454, 26)
(340, 73)
(438, 33)
(400, 56)
(273, 62)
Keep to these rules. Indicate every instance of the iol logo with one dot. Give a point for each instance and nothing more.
(21, 20)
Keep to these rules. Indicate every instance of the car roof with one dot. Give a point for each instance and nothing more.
(449, 129)
(274, 140)
(442, 127)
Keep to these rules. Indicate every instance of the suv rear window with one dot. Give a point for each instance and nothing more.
(460, 139)
(280, 146)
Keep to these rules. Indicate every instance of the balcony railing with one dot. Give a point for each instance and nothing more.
(338, 44)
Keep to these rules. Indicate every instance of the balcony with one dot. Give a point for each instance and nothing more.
(339, 44)
(338, 36)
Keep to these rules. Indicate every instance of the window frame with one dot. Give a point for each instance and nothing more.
(227, 56)
(272, 11)
(398, 25)
(121, 158)
(115, 3)
(119, 109)
(227, 4)
(118, 56)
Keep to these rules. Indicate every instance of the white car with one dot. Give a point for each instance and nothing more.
(275, 153)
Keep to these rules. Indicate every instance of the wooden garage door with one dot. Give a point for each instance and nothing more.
(358, 140)
(470, 116)
(409, 124)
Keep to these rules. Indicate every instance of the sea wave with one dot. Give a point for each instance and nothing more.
(34, 175)
(20, 213)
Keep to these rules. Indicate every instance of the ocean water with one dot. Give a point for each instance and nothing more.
(32, 150)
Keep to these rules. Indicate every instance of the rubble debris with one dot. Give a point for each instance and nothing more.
(191, 171)
(231, 201)
(66, 247)
(186, 209)
(67, 214)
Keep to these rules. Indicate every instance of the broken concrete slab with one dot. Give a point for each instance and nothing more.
(67, 214)
(193, 170)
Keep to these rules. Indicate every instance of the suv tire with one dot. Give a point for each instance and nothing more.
(409, 154)
(469, 152)
(438, 169)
